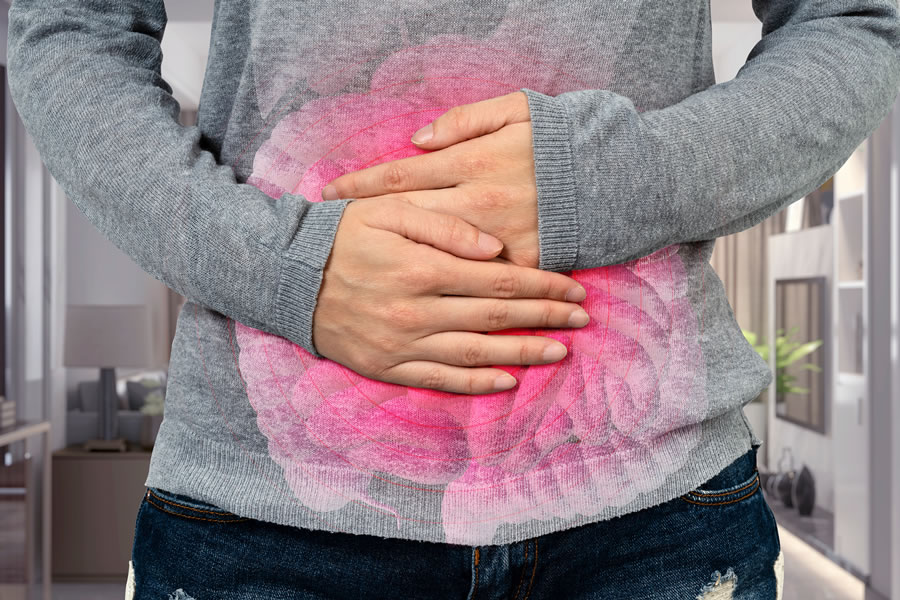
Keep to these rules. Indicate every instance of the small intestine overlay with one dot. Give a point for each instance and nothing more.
(611, 420)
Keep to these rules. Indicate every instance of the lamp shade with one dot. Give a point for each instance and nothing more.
(108, 336)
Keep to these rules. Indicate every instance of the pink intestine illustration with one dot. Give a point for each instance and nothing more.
(572, 437)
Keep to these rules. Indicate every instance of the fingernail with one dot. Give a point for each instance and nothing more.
(329, 192)
(576, 294)
(554, 352)
(579, 318)
(423, 135)
(504, 382)
(488, 243)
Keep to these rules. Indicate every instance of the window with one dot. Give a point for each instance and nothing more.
(801, 351)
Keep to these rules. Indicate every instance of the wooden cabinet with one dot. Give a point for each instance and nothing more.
(96, 496)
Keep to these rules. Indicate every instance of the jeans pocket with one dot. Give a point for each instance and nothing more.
(189, 508)
(735, 483)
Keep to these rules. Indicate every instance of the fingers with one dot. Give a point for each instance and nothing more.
(493, 279)
(448, 378)
(470, 349)
(469, 121)
(422, 172)
(434, 170)
(495, 314)
(451, 200)
(479, 277)
(442, 231)
(446, 361)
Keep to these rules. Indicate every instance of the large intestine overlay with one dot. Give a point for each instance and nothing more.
(617, 415)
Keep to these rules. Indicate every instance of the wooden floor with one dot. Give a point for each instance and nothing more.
(810, 574)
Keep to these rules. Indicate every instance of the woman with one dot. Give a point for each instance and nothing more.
(451, 326)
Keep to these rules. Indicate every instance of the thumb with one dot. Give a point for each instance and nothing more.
(468, 121)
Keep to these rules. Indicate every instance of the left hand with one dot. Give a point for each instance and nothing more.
(481, 170)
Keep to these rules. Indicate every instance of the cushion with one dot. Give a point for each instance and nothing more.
(139, 390)
(158, 375)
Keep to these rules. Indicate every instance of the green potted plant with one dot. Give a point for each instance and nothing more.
(787, 352)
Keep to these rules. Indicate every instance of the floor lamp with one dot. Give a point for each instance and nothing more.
(107, 337)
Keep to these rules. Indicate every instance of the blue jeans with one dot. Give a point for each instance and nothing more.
(717, 541)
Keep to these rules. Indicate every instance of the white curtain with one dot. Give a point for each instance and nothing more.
(740, 260)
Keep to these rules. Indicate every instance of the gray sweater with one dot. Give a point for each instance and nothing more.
(641, 162)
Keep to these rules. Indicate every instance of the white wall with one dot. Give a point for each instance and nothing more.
(185, 51)
(97, 272)
(731, 43)
(733, 11)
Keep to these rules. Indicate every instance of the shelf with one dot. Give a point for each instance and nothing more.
(850, 329)
(851, 285)
(846, 377)
(849, 239)
(853, 196)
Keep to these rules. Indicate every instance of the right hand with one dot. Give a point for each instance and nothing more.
(406, 290)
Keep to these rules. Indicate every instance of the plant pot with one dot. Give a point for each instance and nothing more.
(803, 492)
(149, 428)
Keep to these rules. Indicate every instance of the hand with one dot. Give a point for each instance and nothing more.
(481, 170)
(406, 290)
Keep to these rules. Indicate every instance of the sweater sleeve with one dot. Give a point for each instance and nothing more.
(615, 184)
(85, 78)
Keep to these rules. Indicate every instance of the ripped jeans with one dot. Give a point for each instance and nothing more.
(716, 542)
